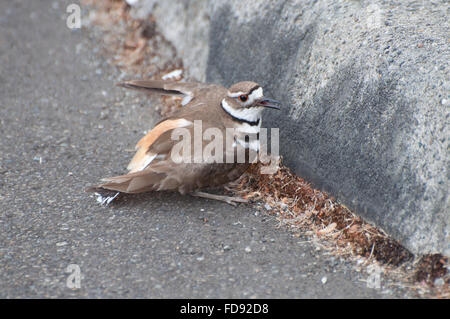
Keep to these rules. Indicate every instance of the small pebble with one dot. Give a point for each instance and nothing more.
(103, 115)
(439, 282)
(176, 74)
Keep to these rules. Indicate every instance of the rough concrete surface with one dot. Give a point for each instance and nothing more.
(64, 125)
(365, 89)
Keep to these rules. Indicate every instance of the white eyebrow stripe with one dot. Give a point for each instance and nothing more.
(252, 97)
(256, 94)
(235, 94)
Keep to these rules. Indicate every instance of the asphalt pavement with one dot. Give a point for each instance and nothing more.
(63, 126)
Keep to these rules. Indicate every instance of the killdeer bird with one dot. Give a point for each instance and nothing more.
(233, 115)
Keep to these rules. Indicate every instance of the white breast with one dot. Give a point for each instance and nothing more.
(253, 144)
(246, 128)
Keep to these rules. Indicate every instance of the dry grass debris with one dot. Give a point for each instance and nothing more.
(298, 205)
(430, 268)
(135, 44)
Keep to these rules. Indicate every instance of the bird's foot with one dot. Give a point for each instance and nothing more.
(232, 200)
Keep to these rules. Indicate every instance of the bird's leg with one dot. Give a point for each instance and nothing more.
(229, 186)
(227, 199)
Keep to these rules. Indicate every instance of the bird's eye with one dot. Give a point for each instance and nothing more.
(243, 98)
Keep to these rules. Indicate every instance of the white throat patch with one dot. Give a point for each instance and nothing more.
(247, 114)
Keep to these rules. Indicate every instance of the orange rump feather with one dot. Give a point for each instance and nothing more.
(142, 154)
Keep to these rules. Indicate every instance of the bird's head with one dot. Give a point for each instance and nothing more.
(246, 100)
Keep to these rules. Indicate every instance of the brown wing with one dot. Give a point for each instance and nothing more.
(152, 167)
(143, 176)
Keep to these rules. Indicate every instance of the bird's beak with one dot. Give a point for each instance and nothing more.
(272, 104)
